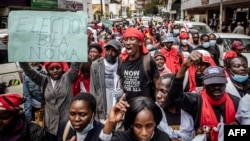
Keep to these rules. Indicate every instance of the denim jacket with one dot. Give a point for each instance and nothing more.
(32, 93)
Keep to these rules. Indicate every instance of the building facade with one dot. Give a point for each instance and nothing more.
(232, 10)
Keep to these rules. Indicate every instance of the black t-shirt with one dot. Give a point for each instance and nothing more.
(173, 119)
(134, 79)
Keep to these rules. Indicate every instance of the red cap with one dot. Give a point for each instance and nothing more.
(237, 45)
(229, 54)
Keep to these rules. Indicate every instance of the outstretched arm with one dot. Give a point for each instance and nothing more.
(116, 114)
(35, 76)
(73, 71)
(175, 92)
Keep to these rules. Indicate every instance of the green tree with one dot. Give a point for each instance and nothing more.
(150, 8)
(128, 12)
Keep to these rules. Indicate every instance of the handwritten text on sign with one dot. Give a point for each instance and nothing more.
(47, 36)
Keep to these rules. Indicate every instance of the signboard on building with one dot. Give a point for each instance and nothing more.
(44, 3)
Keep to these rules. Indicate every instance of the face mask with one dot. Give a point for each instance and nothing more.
(184, 42)
(88, 127)
(176, 31)
(150, 46)
(110, 59)
(239, 78)
(212, 42)
(206, 44)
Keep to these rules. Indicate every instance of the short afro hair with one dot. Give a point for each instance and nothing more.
(88, 98)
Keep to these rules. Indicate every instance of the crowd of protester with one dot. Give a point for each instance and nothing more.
(152, 83)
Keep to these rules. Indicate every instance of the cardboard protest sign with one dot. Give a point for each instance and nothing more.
(107, 23)
(47, 36)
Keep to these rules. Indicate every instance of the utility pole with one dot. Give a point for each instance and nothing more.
(101, 9)
(221, 11)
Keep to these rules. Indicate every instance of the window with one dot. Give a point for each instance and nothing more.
(229, 41)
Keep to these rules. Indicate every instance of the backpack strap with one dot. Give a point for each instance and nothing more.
(66, 131)
(147, 69)
(146, 66)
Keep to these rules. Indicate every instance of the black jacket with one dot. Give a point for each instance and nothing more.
(28, 131)
(93, 135)
(35, 132)
(192, 102)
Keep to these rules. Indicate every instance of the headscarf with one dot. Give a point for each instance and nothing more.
(10, 101)
(133, 32)
(64, 65)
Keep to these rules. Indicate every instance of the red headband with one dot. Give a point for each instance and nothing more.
(133, 32)
(10, 101)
